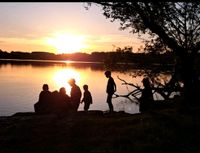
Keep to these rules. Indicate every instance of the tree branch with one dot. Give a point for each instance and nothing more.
(130, 84)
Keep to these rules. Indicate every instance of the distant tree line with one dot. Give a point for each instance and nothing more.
(119, 56)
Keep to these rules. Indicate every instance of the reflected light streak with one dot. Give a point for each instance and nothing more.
(62, 77)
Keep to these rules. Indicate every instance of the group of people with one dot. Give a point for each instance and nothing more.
(60, 102)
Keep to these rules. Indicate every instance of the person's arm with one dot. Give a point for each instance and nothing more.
(91, 99)
(115, 87)
(83, 99)
(40, 96)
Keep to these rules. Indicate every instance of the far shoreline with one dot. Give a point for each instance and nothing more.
(49, 61)
(129, 65)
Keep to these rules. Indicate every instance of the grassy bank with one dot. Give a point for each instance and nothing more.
(166, 130)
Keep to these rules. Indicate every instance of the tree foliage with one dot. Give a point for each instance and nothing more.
(172, 26)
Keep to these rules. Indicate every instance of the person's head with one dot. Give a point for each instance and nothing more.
(62, 90)
(85, 87)
(146, 82)
(72, 82)
(45, 87)
(107, 74)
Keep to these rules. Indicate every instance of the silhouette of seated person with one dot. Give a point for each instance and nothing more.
(44, 102)
(75, 95)
(146, 99)
(61, 101)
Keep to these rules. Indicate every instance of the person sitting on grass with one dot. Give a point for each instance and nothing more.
(146, 98)
(44, 102)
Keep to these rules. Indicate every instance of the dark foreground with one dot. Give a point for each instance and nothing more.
(166, 130)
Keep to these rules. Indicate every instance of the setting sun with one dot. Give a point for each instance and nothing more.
(67, 43)
(62, 77)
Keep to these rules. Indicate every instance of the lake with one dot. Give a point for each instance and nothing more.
(21, 82)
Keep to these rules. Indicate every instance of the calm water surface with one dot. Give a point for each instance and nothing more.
(21, 83)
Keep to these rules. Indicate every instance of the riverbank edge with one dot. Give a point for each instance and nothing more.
(164, 130)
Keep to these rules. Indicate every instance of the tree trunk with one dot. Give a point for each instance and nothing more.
(189, 79)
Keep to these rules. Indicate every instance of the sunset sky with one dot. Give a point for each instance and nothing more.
(59, 28)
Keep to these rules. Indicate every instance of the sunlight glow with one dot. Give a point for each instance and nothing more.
(62, 77)
(67, 43)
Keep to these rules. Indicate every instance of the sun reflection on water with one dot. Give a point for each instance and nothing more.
(61, 78)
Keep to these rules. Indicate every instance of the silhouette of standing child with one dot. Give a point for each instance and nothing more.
(87, 98)
(110, 89)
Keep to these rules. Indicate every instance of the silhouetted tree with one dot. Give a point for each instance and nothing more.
(173, 26)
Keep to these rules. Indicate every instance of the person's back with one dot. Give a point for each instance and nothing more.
(55, 98)
(62, 102)
(44, 96)
(110, 86)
